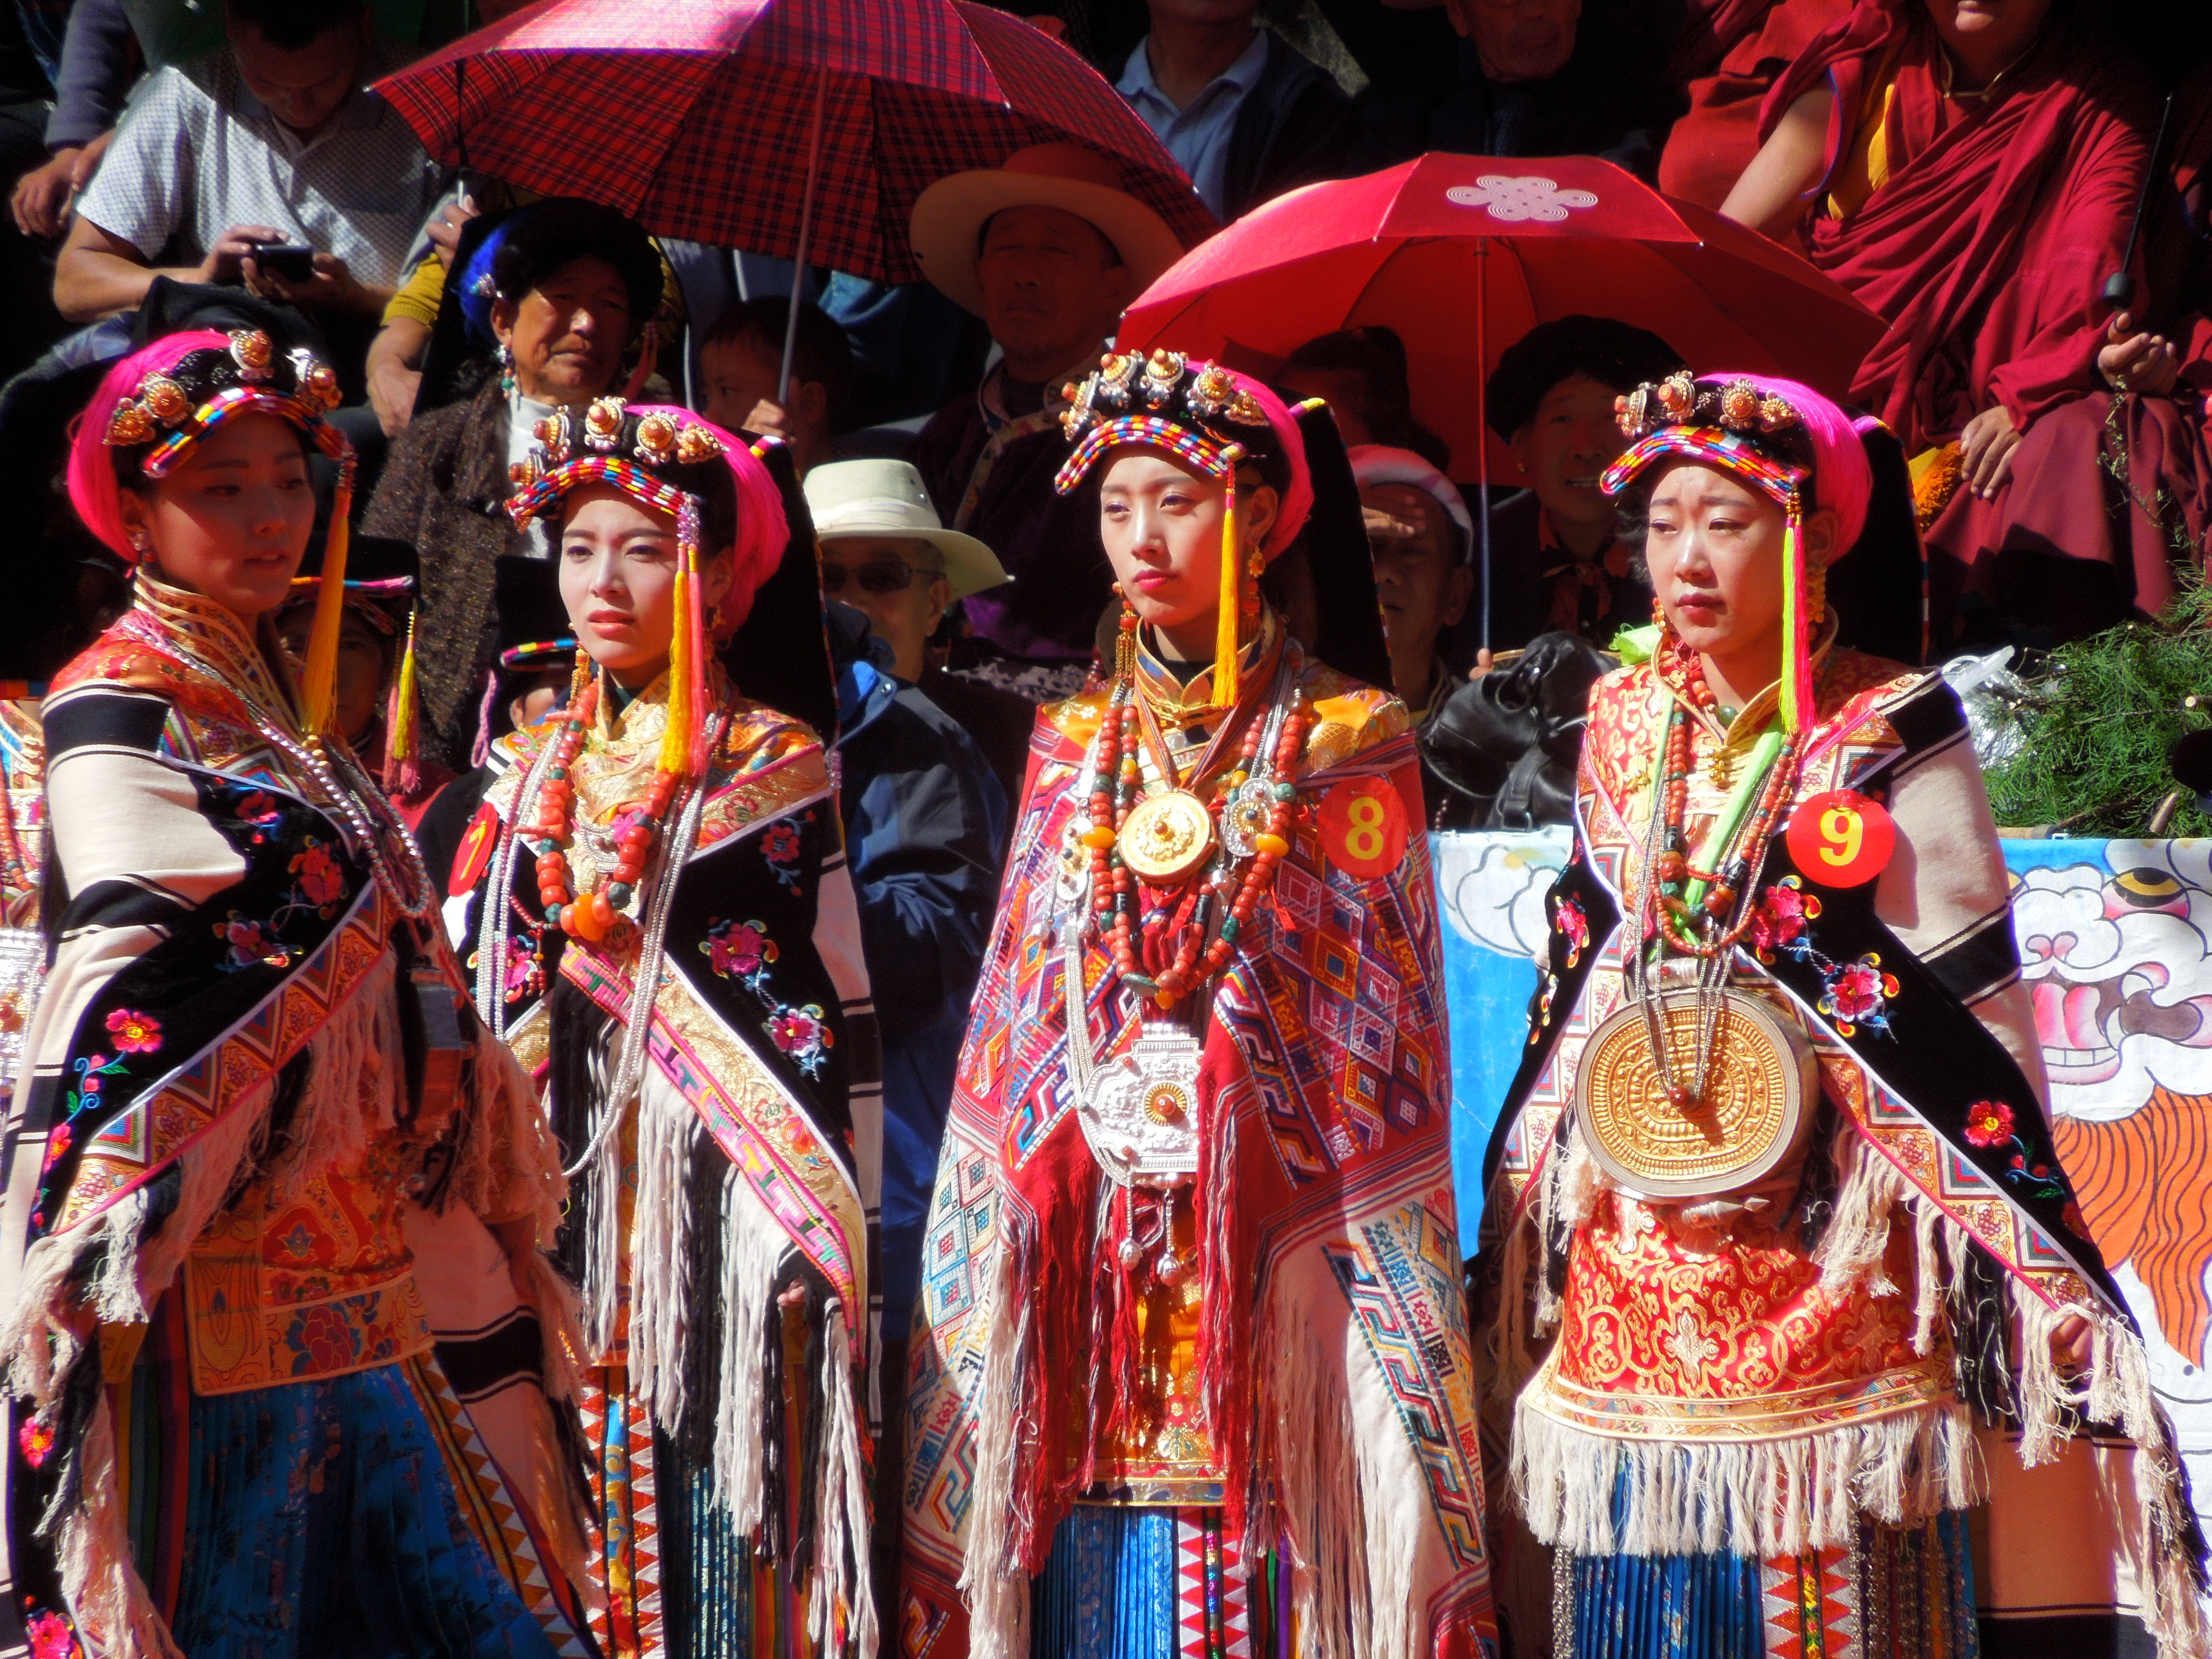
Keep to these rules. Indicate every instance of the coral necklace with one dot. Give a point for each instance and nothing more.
(1118, 775)
(594, 915)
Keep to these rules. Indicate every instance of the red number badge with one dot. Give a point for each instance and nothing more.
(1841, 839)
(473, 857)
(1363, 827)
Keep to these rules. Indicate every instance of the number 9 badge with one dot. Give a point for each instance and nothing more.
(1841, 838)
(1363, 827)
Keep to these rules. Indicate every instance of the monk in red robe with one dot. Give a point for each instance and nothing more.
(1729, 54)
(1969, 168)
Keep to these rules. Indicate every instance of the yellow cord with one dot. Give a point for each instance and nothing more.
(1225, 628)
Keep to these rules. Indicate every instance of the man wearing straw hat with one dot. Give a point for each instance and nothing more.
(1046, 249)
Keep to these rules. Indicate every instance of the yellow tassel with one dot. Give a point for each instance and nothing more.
(403, 719)
(318, 682)
(1225, 628)
(676, 740)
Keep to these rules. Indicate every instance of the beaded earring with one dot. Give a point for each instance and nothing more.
(506, 373)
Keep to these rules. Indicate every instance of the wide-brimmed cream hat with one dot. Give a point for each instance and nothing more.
(950, 216)
(886, 498)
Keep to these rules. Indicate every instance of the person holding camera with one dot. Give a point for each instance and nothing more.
(268, 163)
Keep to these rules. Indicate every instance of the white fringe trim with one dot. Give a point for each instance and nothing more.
(1762, 1499)
(841, 1577)
(112, 1608)
(752, 1245)
(993, 1584)
(1347, 1574)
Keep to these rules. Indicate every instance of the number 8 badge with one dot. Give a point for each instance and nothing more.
(1363, 827)
(1841, 838)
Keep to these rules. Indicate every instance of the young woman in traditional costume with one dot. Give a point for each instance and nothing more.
(664, 927)
(254, 1074)
(1191, 1373)
(1776, 1175)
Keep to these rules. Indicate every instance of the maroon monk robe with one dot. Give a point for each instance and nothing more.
(1728, 54)
(2076, 557)
(1985, 248)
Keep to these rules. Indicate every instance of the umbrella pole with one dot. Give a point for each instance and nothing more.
(806, 231)
(1482, 418)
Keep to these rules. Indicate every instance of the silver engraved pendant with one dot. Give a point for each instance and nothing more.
(1141, 1113)
(1247, 814)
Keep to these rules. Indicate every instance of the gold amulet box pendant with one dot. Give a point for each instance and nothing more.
(1166, 837)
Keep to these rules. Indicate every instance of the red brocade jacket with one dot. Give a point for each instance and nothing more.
(1313, 1377)
(1754, 1371)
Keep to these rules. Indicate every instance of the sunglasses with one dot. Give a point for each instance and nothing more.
(883, 577)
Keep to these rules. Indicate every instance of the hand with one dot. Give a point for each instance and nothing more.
(42, 196)
(445, 230)
(391, 392)
(2070, 1345)
(1387, 526)
(225, 261)
(1484, 662)
(1045, 22)
(2140, 363)
(1985, 450)
(771, 419)
(332, 287)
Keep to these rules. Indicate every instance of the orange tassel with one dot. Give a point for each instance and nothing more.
(318, 680)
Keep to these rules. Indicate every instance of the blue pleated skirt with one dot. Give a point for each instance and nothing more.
(1129, 1582)
(319, 1524)
(1896, 1592)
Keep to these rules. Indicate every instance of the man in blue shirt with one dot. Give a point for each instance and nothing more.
(1243, 113)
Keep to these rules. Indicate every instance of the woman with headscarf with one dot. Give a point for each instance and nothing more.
(556, 293)
(252, 1078)
(664, 927)
(1775, 1176)
(1191, 1371)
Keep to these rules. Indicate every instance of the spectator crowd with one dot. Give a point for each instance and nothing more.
(2017, 188)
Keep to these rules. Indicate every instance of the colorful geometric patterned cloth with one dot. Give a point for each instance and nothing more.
(1331, 1369)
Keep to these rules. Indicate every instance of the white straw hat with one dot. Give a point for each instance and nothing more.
(886, 498)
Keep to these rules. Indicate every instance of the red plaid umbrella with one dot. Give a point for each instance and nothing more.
(699, 118)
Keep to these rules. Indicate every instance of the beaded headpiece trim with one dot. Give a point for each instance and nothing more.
(162, 413)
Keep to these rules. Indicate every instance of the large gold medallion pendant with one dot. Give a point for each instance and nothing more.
(1166, 837)
(1761, 1090)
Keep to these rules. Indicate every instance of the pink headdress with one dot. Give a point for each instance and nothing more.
(1216, 420)
(671, 460)
(151, 411)
(1787, 442)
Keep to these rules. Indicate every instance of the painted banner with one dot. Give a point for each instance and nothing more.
(2116, 947)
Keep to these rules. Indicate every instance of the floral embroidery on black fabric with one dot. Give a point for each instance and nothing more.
(259, 809)
(50, 1637)
(1989, 1127)
(1575, 926)
(1853, 995)
(742, 950)
(319, 891)
(803, 1034)
(133, 1033)
(781, 846)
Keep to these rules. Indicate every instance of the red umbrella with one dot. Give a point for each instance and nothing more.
(800, 129)
(1463, 254)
